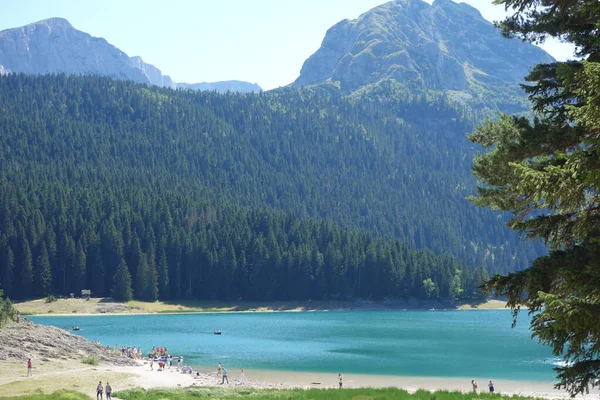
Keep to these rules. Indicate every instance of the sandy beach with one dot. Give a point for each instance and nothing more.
(143, 377)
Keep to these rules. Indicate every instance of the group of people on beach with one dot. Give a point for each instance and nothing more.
(130, 351)
(222, 373)
(476, 386)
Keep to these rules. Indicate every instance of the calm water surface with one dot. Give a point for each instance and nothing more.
(410, 343)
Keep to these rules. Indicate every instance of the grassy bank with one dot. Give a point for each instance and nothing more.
(108, 306)
(60, 395)
(300, 394)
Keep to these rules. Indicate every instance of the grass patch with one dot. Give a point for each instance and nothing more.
(90, 360)
(60, 395)
(300, 394)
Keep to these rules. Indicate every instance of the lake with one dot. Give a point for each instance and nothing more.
(407, 343)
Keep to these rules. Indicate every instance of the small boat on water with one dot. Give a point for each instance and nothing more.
(75, 328)
(217, 332)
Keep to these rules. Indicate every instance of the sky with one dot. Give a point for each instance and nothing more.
(259, 41)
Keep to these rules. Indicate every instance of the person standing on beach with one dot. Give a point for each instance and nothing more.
(99, 391)
(108, 391)
(242, 376)
(491, 386)
(340, 378)
(29, 367)
(219, 368)
(224, 376)
(474, 383)
(151, 363)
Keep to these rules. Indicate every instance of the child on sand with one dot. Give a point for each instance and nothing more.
(340, 378)
(151, 364)
(108, 391)
(474, 383)
(99, 391)
(242, 377)
(491, 386)
(29, 367)
(219, 368)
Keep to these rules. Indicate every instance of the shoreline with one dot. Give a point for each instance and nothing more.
(106, 306)
(80, 307)
(255, 312)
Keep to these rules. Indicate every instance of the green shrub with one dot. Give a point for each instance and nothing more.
(7, 310)
(50, 299)
(90, 360)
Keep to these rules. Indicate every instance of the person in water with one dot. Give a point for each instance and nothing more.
(224, 377)
(99, 391)
(491, 386)
(340, 379)
(108, 391)
(474, 384)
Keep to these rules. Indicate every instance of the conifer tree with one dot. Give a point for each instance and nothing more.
(546, 172)
(163, 274)
(121, 289)
(141, 278)
(79, 269)
(97, 276)
(43, 273)
(26, 269)
(8, 266)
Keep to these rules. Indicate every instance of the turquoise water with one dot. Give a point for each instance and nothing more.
(409, 343)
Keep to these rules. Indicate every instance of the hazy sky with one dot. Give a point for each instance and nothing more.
(261, 41)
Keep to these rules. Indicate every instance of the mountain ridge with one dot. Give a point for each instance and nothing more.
(53, 45)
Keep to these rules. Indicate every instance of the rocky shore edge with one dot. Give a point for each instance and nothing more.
(26, 340)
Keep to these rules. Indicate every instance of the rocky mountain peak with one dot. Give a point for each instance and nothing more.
(54, 23)
(445, 46)
(54, 46)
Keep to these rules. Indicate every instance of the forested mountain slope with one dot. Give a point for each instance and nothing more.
(73, 149)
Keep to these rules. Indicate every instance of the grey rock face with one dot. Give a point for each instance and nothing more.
(153, 74)
(54, 46)
(445, 46)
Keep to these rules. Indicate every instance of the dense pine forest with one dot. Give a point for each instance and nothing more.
(293, 194)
